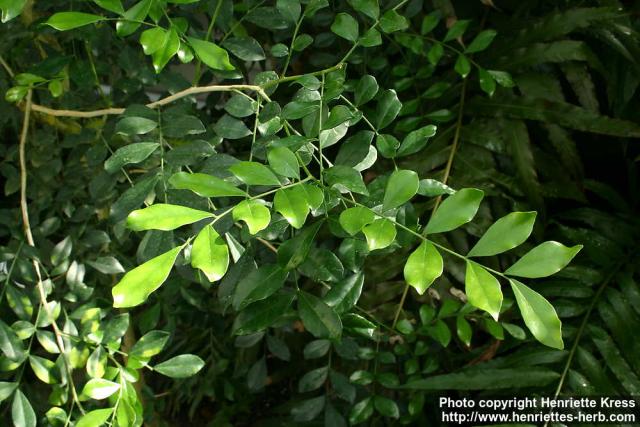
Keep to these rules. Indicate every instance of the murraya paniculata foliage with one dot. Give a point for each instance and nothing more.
(347, 203)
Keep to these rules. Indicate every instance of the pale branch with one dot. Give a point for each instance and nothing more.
(159, 103)
(24, 209)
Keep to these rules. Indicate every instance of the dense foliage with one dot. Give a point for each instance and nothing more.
(298, 212)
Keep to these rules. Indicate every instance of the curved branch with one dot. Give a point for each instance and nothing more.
(164, 101)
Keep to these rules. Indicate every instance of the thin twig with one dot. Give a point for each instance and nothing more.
(24, 209)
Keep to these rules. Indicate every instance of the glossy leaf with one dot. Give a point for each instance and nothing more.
(346, 27)
(423, 266)
(168, 48)
(22, 412)
(544, 260)
(253, 173)
(292, 205)
(182, 366)
(204, 185)
(345, 179)
(258, 285)
(133, 17)
(380, 233)
(416, 140)
(366, 89)
(354, 219)
(254, 213)
(136, 286)
(345, 294)
(483, 289)
(164, 217)
(401, 187)
(481, 41)
(388, 108)
(133, 153)
(284, 162)
(318, 318)
(262, 314)
(150, 344)
(95, 418)
(210, 254)
(99, 388)
(508, 232)
(539, 315)
(211, 54)
(63, 21)
(294, 251)
(455, 210)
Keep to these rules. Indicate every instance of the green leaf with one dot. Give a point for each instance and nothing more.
(388, 108)
(63, 21)
(346, 27)
(456, 210)
(345, 294)
(506, 233)
(168, 48)
(182, 366)
(211, 54)
(318, 318)
(231, 128)
(368, 7)
(245, 48)
(95, 418)
(392, 21)
(22, 412)
(150, 344)
(11, 8)
(313, 379)
(401, 187)
(366, 89)
(463, 330)
(353, 219)
(136, 286)
(456, 30)
(430, 21)
(423, 266)
(253, 173)
(262, 314)
(164, 217)
(481, 41)
(204, 185)
(462, 66)
(133, 17)
(503, 78)
(45, 369)
(361, 411)
(210, 254)
(483, 289)
(16, 94)
(99, 388)
(97, 363)
(284, 162)
(6, 389)
(416, 140)
(254, 213)
(539, 315)
(329, 137)
(435, 53)
(380, 233)
(133, 153)
(114, 6)
(308, 409)
(135, 126)
(294, 251)
(386, 407)
(10, 344)
(371, 38)
(316, 349)
(107, 265)
(345, 178)
(433, 188)
(544, 260)
(487, 82)
(258, 285)
(292, 205)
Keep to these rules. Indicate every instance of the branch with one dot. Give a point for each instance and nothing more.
(164, 101)
(24, 209)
